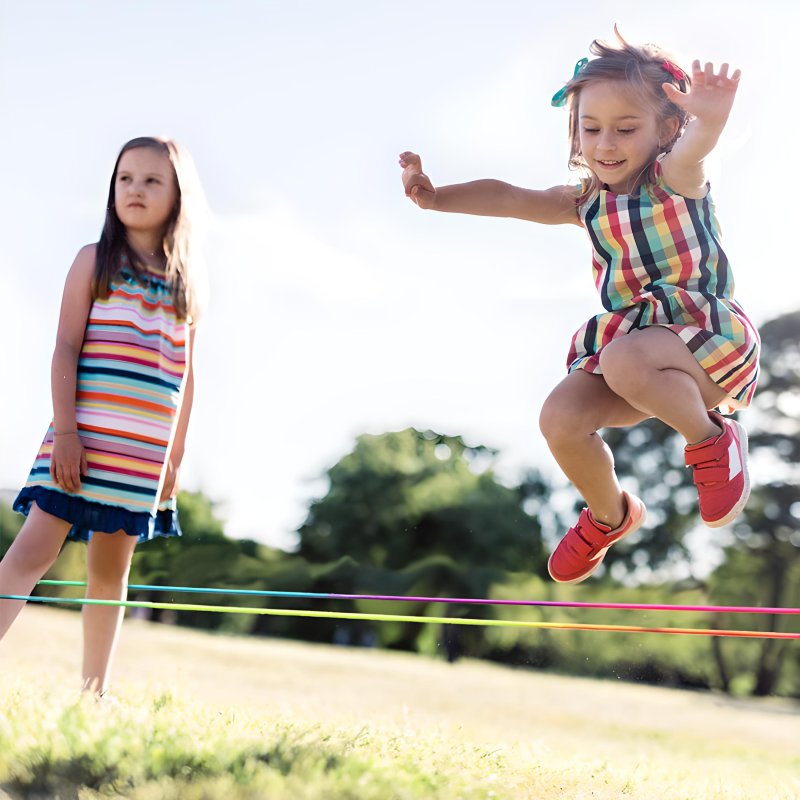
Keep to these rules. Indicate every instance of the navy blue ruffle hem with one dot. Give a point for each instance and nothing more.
(88, 517)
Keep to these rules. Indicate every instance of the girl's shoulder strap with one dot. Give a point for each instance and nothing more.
(586, 195)
(658, 175)
(656, 178)
(658, 170)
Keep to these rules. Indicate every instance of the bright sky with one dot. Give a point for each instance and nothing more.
(337, 306)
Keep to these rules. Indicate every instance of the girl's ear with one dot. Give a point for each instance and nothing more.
(668, 131)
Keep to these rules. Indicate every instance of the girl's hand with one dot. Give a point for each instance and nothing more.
(68, 462)
(416, 183)
(711, 95)
(170, 488)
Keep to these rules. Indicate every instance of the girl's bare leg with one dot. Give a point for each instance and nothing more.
(108, 564)
(654, 371)
(31, 554)
(571, 416)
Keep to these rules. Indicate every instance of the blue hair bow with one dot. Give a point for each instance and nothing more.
(560, 97)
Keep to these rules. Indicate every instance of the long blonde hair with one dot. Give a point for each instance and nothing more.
(180, 235)
(643, 68)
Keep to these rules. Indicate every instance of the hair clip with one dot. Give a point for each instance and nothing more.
(674, 70)
(560, 97)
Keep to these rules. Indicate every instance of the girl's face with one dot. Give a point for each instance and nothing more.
(145, 193)
(619, 136)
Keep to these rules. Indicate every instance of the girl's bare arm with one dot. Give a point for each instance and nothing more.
(178, 448)
(68, 461)
(709, 101)
(489, 197)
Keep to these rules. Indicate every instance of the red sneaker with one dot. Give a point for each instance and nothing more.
(720, 472)
(582, 550)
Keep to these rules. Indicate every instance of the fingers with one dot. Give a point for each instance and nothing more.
(409, 159)
(57, 473)
(417, 184)
(68, 462)
(73, 478)
(170, 481)
(705, 75)
(67, 476)
(411, 164)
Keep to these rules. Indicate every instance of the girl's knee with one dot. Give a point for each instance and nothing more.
(109, 572)
(550, 418)
(107, 581)
(560, 419)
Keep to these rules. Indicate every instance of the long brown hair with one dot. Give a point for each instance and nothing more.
(643, 68)
(113, 247)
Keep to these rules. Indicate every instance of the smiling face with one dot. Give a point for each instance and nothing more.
(145, 191)
(619, 135)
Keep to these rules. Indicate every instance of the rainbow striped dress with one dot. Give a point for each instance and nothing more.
(129, 388)
(657, 260)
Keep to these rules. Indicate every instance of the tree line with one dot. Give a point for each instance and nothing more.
(421, 513)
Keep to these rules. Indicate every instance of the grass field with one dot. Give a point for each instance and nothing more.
(204, 716)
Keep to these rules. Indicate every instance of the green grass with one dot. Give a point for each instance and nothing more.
(252, 718)
(155, 745)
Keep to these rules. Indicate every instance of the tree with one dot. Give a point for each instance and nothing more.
(202, 557)
(762, 565)
(422, 512)
(400, 497)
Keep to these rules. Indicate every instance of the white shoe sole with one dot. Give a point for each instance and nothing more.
(602, 553)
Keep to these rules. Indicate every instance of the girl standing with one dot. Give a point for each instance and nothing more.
(122, 387)
(672, 343)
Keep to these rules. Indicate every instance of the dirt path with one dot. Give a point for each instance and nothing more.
(488, 704)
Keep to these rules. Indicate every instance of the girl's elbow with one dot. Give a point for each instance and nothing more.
(65, 353)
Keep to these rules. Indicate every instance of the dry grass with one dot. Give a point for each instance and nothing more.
(560, 737)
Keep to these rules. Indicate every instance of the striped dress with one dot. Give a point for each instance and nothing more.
(130, 378)
(657, 260)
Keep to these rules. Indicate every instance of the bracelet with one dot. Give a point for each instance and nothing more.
(68, 433)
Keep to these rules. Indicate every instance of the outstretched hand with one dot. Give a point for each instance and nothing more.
(711, 95)
(416, 183)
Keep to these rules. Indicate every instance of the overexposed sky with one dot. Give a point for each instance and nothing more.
(338, 307)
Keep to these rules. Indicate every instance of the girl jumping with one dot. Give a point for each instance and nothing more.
(672, 343)
(122, 387)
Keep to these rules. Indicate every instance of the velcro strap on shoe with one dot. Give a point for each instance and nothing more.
(710, 452)
(596, 539)
(576, 545)
(710, 474)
